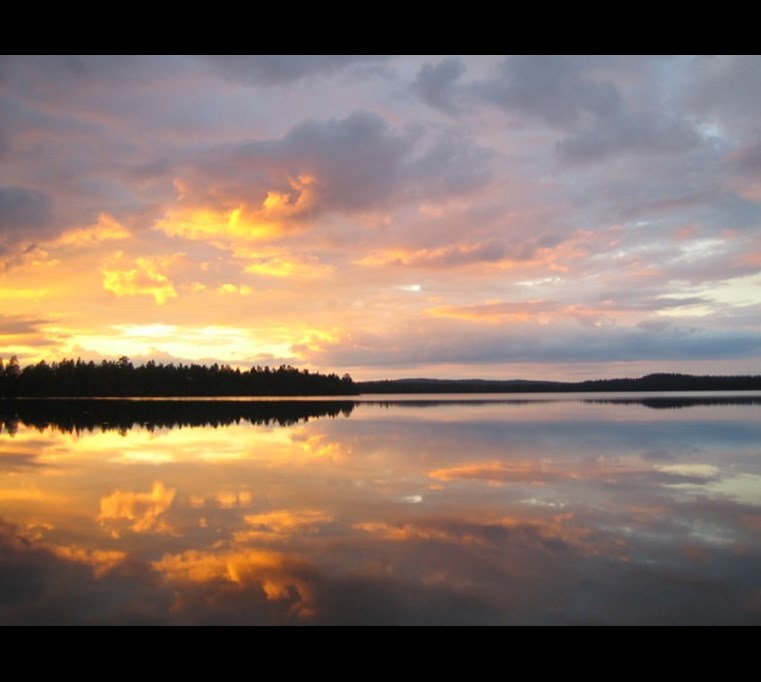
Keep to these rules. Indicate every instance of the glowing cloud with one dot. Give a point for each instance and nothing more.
(143, 510)
(101, 561)
(143, 279)
(274, 573)
(284, 520)
(104, 230)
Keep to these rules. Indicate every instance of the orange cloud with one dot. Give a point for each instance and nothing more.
(493, 472)
(228, 500)
(105, 229)
(101, 561)
(410, 531)
(228, 288)
(272, 572)
(283, 520)
(519, 311)
(277, 266)
(145, 278)
(278, 211)
(28, 494)
(142, 509)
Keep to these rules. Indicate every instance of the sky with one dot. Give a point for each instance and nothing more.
(541, 217)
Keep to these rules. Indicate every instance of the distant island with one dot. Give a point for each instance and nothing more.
(120, 378)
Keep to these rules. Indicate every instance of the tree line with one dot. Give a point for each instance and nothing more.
(120, 378)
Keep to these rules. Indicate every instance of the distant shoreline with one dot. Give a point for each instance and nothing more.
(122, 379)
(650, 383)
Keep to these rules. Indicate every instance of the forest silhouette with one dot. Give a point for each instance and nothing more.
(120, 378)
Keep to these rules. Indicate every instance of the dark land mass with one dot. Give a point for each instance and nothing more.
(654, 402)
(120, 378)
(651, 382)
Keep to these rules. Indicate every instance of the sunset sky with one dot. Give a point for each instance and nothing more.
(520, 217)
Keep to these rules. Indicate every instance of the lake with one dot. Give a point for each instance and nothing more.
(469, 509)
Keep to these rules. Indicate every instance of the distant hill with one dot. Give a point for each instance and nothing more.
(651, 382)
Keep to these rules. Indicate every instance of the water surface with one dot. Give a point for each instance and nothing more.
(568, 509)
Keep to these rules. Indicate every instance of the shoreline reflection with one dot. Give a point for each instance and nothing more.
(475, 512)
(123, 414)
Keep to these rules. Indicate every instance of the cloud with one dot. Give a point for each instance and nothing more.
(145, 278)
(282, 69)
(553, 89)
(641, 133)
(492, 251)
(484, 342)
(434, 84)
(279, 577)
(578, 96)
(20, 325)
(46, 585)
(724, 89)
(493, 472)
(101, 561)
(143, 511)
(285, 520)
(105, 229)
(24, 212)
(259, 189)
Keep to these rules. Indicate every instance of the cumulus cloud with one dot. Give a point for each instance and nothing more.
(280, 69)
(357, 163)
(143, 512)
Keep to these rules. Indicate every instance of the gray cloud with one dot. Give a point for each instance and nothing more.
(434, 84)
(726, 88)
(24, 210)
(748, 159)
(553, 89)
(641, 132)
(280, 68)
(577, 94)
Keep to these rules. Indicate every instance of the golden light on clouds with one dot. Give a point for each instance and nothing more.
(285, 520)
(144, 278)
(277, 211)
(104, 230)
(274, 573)
(142, 511)
(101, 561)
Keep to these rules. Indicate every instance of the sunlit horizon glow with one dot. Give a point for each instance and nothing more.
(465, 217)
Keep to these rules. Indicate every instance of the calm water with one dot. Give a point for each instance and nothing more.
(509, 509)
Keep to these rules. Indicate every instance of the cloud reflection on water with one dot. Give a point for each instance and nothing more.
(569, 513)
